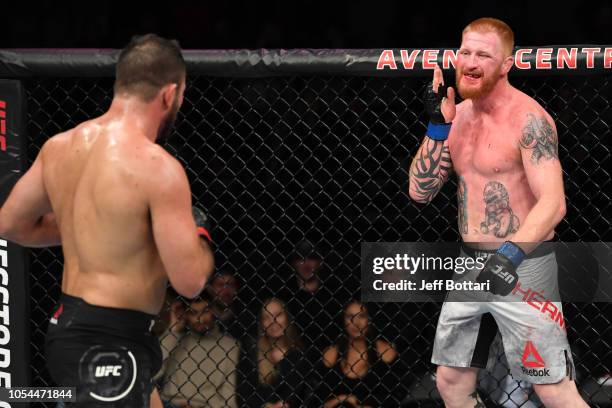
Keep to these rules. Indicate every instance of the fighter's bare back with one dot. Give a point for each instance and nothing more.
(98, 177)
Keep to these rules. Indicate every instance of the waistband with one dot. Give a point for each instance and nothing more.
(545, 248)
(125, 320)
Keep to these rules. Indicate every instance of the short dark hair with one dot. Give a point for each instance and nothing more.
(148, 63)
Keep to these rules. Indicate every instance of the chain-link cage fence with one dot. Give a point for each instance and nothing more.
(295, 171)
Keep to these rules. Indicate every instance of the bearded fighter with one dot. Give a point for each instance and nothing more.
(502, 146)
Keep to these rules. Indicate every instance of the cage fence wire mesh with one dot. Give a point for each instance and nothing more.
(295, 172)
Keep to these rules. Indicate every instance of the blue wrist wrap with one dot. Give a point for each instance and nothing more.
(438, 131)
(513, 252)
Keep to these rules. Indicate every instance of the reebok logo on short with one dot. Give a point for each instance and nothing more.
(506, 276)
(105, 371)
(544, 372)
(531, 357)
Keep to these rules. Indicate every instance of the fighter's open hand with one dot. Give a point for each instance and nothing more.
(441, 108)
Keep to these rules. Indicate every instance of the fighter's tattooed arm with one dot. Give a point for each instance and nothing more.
(429, 170)
(539, 137)
(538, 144)
(462, 205)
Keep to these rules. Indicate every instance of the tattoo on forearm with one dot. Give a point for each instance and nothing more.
(540, 137)
(430, 169)
(499, 218)
(479, 403)
(462, 205)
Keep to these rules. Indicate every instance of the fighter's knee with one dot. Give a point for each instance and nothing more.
(457, 386)
(448, 378)
(443, 379)
(549, 393)
(553, 395)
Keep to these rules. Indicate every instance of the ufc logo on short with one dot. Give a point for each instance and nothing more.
(105, 371)
(498, 270)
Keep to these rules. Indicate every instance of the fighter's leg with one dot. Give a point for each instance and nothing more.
(534, 334)
(563, 394)
(463, 337)
(457, 386)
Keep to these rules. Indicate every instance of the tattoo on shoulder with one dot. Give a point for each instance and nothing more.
(540, 137)
(462, 205)
(499, 220)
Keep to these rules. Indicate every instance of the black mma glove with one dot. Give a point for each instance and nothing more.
(438, 129)
(500, 269)
(201, 221)
(433, 103)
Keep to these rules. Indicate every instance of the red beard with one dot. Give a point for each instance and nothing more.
(475, 91)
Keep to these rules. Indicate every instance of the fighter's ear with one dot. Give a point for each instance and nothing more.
(508, 64)
(168, 93)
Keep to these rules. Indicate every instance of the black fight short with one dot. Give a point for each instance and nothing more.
(109, 355)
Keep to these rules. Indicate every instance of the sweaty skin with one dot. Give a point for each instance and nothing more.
(99, 198)
(122, 205)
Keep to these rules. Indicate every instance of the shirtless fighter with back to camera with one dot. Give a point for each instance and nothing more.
(502, 146)
(120, 206)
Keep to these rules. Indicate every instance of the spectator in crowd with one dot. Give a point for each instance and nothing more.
(306, 263)
(199, 368)
(311, 302)
(359, 368)
(223, 289)
(273, 365)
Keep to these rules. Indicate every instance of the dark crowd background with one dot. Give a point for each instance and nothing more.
(297, 24)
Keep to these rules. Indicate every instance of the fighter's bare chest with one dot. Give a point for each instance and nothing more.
(486, 150)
